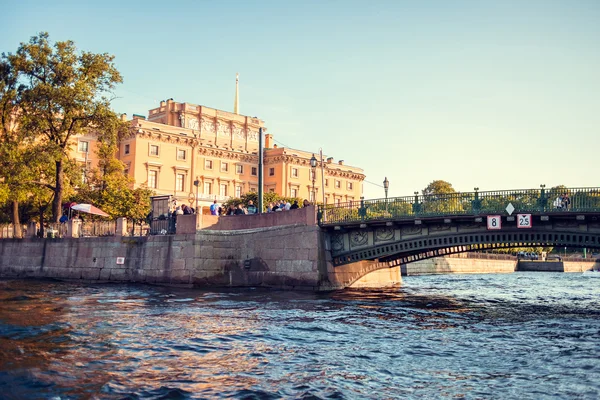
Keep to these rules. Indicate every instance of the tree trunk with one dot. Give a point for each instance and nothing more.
(58, 192)
(17, 231)
(42, 233)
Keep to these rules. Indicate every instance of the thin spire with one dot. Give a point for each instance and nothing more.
(236, 104)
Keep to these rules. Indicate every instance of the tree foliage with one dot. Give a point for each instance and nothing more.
(110, 189)
(267, 198)
(60, 93)
(438, 187)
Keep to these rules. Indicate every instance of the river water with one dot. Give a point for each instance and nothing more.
(521, 336)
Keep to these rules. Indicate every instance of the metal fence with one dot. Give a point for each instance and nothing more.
(470, 203)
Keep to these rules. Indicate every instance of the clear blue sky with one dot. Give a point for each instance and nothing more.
(494, 94)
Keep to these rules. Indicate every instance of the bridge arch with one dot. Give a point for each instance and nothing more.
(421, 248)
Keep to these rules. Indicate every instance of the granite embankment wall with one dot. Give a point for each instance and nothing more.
(558, 266)
(455, 265)
(281, 257)
(280, 250)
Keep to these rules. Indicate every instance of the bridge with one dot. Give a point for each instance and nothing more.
(400, 230)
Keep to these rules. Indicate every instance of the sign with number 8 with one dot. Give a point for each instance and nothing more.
(494, 222)
(523, 220)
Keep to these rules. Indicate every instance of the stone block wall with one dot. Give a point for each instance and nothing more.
(285, 257)
(452, 265)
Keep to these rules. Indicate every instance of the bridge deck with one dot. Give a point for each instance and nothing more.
(539, 201)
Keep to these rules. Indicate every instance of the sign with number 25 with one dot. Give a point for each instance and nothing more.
(494, 222)
(523, 220)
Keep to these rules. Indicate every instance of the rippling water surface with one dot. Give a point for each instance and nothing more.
(522, 335)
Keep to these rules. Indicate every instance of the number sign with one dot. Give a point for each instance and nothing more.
(494, 222)
(523, 220)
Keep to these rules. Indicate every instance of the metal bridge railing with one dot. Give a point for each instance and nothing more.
(469, 203)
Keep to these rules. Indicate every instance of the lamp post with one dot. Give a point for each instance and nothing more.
(386, 185)
(313, 166)
(542, 200)
(196, 183)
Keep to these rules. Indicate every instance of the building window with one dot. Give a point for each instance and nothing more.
(84, 147)
(326, 182)
(126, 149)
(295, 172)
(338, 202)
(239, 169)
(238, 191)
(271, 190)
(349, 185)
(254, 171)
(223, 189)
(154, 150)
(179, 183)
(208, 164)
(338, 184)
(224, 166)
(271, 171)
(294, 192)
(207, 188)
(253, 189)
(181, 154)
(152, 179)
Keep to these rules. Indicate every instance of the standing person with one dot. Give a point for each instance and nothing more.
(558, 203)
(566, 201)
(251, 207)
(214, 208)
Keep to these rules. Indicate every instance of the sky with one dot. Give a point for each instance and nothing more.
(480, 93)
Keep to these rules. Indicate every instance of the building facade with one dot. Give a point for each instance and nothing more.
(199, 154)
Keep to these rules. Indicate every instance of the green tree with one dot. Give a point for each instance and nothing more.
(438, 187)
(61, 93)
(109, 188)
(20, 157)
(440, 198)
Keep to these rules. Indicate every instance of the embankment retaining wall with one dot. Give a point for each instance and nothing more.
(451, 265)
(283, 257)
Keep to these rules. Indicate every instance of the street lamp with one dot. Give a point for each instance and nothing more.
(196, 183)
(386, 185)
(313, 166)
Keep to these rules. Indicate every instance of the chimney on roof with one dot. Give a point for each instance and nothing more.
(163, 103)
(341, 162)
(274, 146)
(139, 116)
(124, 117)
(268, 141)
(329, 160)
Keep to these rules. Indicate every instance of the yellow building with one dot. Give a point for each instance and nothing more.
(199, 154)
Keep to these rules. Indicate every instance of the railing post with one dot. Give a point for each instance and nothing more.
(542, 199)
(362, 211)
(416, 206)
(121, 227)
(476, 204)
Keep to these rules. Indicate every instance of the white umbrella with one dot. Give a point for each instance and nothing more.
(89, 209)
